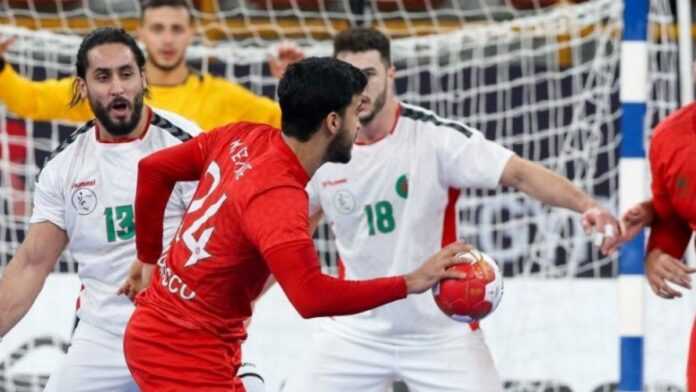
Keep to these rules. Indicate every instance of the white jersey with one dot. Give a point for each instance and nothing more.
(392, 206)
(87, 188)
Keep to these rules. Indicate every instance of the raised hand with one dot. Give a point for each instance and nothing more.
(287, 53)
(6, 43)
(436, 268)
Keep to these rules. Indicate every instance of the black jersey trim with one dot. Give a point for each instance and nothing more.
(428, 116)
(169, 127)
(67, 141)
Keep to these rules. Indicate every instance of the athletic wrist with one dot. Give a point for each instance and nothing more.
(587, 204)
(409, 283)
(650, 209)
(652, 254)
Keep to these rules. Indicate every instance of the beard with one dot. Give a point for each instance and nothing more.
(340, 148)
(164, 67)
(119, 128)
(376, 107)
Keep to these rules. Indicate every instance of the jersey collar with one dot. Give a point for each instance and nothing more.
(391, 131)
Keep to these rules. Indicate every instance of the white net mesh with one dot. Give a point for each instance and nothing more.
(543, 82)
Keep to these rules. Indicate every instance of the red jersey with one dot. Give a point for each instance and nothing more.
(248, 218)
(673, 167)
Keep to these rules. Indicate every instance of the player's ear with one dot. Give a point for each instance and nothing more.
(191, 32)
(82, 88)
(333, 123)
(391, 72)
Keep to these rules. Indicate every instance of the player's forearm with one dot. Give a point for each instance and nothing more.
(23, 278)
(670, 235)
(16, 93)
(151, 197)
(314, 294)
(322, 296)
(20, 284)
(146, 274)
(43, 101)
(546, 186)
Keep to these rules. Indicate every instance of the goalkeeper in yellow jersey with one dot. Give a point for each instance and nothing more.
(166, 29)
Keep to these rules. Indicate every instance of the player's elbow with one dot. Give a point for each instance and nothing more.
(309, 309)
(308, 305)
(514, 172)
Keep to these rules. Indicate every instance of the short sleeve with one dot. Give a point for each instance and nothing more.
(467, 159)
(278, 216)
(49, 201)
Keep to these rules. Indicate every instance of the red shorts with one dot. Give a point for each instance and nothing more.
(165, 356)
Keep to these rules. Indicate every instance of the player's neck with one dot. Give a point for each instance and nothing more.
(157, 76)
(310, 157)
(380, 126)
(137, 132)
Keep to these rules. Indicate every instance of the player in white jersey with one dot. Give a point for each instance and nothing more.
(83, 201)
(395, 201)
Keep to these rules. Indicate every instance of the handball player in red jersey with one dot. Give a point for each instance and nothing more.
(671, 214)
(248, 219)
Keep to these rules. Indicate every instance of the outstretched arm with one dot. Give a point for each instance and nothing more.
(276, 222)
(313, 294)
(552, 189)
(44, 101)
(24, 277)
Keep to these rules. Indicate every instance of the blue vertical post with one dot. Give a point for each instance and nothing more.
(632, 189)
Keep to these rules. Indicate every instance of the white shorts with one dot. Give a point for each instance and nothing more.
(337, 363)
(94, 363)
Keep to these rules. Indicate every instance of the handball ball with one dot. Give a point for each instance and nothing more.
(477, 294)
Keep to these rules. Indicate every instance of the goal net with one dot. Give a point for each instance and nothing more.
(541, 81)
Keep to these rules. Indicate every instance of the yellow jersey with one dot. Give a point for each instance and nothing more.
(207, 100)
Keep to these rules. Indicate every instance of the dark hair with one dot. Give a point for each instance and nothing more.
(362, 39)
(147, 4)
(98, 37)
(313, 88)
